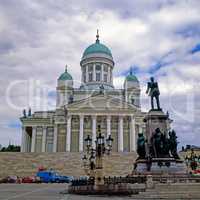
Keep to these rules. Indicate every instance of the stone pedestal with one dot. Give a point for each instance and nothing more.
(156, 119)
(154, 162)
(161, 166)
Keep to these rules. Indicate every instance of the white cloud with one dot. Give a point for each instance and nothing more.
(37, 39)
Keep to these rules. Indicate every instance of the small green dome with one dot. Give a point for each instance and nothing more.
(97, 47)
(131, 77)
(65, 76)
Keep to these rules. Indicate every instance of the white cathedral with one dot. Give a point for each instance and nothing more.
(79, 111)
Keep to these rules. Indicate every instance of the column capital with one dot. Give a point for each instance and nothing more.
(121, 116)
(108, 117)
(94, 116)
(132, 117)
(69, 116)
(81, 116)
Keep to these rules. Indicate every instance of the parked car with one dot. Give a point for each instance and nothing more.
(53, 177)
(9, 179)
(31, 179)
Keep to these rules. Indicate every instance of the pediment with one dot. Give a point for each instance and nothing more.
(101, 102)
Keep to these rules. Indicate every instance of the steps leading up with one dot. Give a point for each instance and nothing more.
(26, 164)
(171, 191)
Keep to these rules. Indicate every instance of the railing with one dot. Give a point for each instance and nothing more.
(110, 180)
(131, 180)
(176, 179)
(82, 182)
(140, 179)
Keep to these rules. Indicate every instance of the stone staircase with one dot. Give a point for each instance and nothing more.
(173, 191)
(26, 164)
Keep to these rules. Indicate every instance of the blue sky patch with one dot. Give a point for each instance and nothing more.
(14, 124)
(195, 49)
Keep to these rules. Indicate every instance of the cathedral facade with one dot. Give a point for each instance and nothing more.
(80, 111)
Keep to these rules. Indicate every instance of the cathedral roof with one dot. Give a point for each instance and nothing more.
(65, 76)
(97, 47)
(131, 77)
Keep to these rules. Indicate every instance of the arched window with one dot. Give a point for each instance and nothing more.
(90, 77)
(98, 76)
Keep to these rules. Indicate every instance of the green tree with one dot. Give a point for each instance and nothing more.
(11, 148)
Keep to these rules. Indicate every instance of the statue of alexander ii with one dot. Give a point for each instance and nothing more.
(153, 92)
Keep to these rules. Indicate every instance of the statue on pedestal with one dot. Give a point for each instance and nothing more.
(157, 151)
(153, 92)
(24, 113)
(173, 144)
(160, 145)
(141, 146)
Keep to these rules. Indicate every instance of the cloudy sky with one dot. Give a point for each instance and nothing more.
(157, 38)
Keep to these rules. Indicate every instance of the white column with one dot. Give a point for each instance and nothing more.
(23, 139)
(29, 144)
(140, 129)
(68, 138)
(109, 80)
(111, 76)
(81, 133)
(86, 73)
(33, 139)
(108, 125)
(121, 135)
(44, 136)
(94, 72)
(55, 138)
(26, 142)
(102, 78)
(132, 134)
(94, 134)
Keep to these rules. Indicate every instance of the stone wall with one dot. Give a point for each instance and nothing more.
(26, 164)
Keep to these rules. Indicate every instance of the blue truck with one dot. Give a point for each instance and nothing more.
(53, 177)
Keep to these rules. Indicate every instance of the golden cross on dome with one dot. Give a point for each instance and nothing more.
(97, 36)
(66, 68)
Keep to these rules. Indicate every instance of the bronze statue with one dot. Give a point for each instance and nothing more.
(141, 146)
(153, 92)
(156, 142)
(24, 113)
(101, 91)
(160, 145)
(29, 112)
(173, 144)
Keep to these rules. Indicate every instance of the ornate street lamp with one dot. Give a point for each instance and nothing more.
(95, 156)
(109, 141)
(88, 142)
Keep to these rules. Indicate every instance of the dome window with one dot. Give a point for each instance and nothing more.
(105, 77)
(105, 68)
(98, 67)
(90, 68)
(90, 77)
(98, 76)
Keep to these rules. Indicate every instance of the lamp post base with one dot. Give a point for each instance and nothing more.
(123, 189)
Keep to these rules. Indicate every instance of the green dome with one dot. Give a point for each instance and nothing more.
(97, 47)
(131, 77)
(65, 76)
